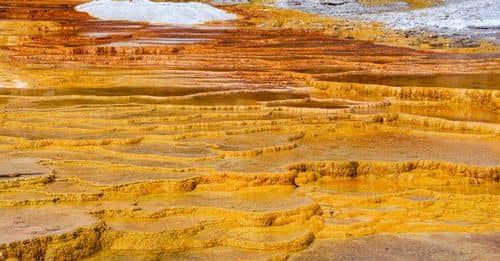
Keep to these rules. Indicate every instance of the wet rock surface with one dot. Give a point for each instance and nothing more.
(21, 167)
(125, 140)
(28, 223)
(410, 247)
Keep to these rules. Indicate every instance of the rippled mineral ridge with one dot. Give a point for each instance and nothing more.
(271, 135)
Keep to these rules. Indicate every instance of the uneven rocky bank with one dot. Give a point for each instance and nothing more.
(123, 140)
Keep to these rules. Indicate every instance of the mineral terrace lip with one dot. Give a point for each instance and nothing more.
(279, 135)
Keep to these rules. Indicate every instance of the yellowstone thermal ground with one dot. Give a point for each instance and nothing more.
(278, 135)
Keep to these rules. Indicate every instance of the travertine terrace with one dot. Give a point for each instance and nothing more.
(278, 135)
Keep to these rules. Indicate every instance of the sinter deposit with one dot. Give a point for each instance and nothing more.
(154, 12)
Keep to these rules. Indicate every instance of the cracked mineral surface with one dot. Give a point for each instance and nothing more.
(277, 135)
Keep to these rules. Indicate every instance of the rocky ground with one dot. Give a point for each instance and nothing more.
(460, 19)
(261, 138)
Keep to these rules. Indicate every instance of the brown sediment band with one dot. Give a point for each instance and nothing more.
(251, 139)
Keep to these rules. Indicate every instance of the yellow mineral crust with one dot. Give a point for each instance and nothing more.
(280, 135)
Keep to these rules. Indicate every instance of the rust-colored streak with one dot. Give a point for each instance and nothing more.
(275, 136)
